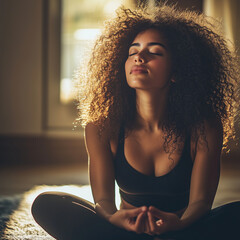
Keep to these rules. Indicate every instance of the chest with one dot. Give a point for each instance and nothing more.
(147, 153)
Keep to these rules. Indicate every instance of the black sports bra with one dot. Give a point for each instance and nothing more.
(169, 192)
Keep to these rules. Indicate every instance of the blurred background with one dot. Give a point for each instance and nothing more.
(42, 43)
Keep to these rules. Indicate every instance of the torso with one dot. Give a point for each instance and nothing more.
(145, 153)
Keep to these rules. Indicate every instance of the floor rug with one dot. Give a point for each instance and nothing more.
(16, 221)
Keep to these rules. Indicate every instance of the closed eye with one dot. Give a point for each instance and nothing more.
(158, 54)
(131, 54)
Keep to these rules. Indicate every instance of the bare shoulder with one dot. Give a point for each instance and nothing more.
(213, 132)
(211, 139)
(213, 126)
(105, 139)
(93, 131)
(94, 141)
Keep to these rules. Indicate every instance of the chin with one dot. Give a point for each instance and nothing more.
(138, 83)
(138, 86)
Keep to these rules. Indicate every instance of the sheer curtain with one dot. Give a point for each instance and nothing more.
(228, 12)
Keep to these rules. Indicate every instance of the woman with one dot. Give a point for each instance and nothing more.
(157, 106)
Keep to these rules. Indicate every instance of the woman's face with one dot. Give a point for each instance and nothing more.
(148, 66)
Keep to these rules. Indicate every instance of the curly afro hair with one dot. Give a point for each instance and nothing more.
(204, 67)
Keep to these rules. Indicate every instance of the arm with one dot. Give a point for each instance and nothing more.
(204, 182)
(101, 172)
(205, 174)
(102, 180)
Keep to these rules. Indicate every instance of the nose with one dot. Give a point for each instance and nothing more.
(139, 58)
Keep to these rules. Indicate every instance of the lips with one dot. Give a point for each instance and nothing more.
(138, 70)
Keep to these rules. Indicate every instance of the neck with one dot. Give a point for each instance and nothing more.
(151, 109)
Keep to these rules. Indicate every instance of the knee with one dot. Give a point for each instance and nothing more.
(233, 206)
(38, 205)
(231, 210)
(42, 205)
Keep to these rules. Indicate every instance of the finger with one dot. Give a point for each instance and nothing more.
(147, 228)
(156, 212)
(159, 222)
(135, 211)
(140, 223)
(152, 223)
(155, 228)
(133, 222)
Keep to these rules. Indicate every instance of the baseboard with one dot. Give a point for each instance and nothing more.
(41, 150)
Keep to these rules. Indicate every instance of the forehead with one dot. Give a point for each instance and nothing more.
(150, 35)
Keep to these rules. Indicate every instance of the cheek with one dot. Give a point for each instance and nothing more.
(127, 67)
(162, 68)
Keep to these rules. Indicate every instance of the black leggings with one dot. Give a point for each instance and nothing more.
(69, 217)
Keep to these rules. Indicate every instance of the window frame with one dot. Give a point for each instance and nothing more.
(56, 115)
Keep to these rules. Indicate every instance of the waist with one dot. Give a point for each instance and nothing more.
(126, 205)
(168, 203)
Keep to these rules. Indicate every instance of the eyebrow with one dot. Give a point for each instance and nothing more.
(149, 44)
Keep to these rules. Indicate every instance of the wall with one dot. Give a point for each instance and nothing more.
(21, 66)
(24, 135)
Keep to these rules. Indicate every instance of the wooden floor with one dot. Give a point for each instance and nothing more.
(18, 179)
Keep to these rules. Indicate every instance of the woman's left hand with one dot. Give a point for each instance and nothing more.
(160, 222)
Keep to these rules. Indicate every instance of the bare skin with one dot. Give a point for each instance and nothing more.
(148, 71)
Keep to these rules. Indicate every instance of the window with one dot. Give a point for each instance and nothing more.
(70, 27)
(81, 23)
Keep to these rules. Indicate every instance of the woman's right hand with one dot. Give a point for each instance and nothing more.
(130, 219)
